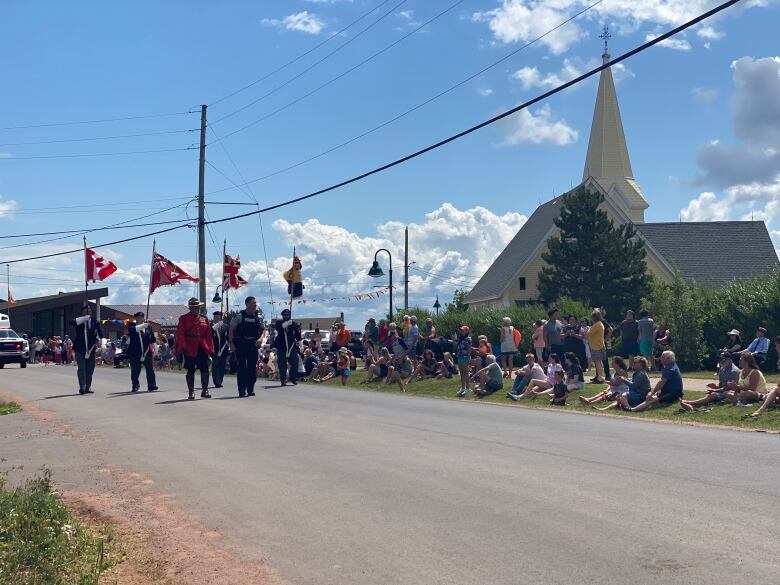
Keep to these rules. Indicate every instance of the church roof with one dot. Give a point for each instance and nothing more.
(714, 252)
(528, 238)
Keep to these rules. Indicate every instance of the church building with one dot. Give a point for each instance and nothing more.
(712, 253)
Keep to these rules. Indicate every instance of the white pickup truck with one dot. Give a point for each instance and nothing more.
(13, 348)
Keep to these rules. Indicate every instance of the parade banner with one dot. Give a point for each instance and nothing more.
(367, 296)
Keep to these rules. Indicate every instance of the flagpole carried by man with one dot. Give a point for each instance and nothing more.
(288, 333)
(231, 279)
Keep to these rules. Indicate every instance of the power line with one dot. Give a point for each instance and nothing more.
(421, 104)
(436, 271)
(96, 138)
(312, 66)
(112, 227)
(98, 154)
(494, 119)
(100, 121)
(302, 55)
(344, 73)
(92, 205)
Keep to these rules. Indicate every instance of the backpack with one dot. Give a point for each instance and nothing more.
(518, 337)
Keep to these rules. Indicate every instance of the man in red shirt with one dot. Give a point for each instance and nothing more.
(343, 336)
(193, 340)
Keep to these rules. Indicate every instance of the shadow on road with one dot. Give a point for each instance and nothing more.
(178, 401)
(62, 396)
(128, 393)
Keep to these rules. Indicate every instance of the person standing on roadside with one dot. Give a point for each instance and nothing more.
(288, 336)
(244, 333)
(629, 333)
(220, 340)
(193, 341)
(553, 330)
(141, 337)
(88, 335)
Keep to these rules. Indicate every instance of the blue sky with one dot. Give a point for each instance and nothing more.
(92, 60)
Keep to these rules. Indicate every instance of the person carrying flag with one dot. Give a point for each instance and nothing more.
(220, 339)
(288, 335)
(85, 343)
(139, 350)
(244, 333)
(193, 340)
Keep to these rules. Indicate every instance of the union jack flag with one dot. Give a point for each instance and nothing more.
(230, 276)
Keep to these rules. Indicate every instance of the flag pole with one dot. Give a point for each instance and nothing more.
(224, 300)
(8, 282)
(292, 282)
(151, 273)
(86, 281)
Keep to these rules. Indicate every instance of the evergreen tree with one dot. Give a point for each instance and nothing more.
(593, 261)
(458, 301)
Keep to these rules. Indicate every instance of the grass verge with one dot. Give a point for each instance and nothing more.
(719, 415)
(9, 408)
(41, 542)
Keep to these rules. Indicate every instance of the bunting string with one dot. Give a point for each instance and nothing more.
(357, 298)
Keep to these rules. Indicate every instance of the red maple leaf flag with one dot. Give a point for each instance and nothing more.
(166, 273)
(97, 267)
(230, 276)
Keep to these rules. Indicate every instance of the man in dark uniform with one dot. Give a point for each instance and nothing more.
(288, 334)
(85, 341)
(244, 333)
(139, 351)
(193, 341)
(219, 362)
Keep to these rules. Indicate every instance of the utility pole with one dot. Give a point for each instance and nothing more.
(406, 270)
(202, 212)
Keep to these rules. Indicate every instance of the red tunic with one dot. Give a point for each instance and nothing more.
(192, 332)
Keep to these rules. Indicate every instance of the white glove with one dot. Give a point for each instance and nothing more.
(286, 324)
(82, 320)
(142, 327)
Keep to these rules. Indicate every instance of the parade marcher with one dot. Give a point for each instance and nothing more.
(139, 351)
(193, 341)
(244, 334)
(220, 339)
(85, 343)
(288, 335)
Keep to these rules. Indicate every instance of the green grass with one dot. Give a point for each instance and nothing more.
(720, 415)
(40, 541)
(9, 408)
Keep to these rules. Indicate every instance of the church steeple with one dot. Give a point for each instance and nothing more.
(608, 161)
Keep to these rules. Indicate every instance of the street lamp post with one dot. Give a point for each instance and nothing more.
(437, 305)
(376, 271)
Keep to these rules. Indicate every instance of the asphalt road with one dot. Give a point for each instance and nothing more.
(352, 487)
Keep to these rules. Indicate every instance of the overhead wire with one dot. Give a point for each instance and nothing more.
(329, 38)
(423, 103)
(98, 154)
(639, 49)
(313, 65)
(346, 72)
(99, 121)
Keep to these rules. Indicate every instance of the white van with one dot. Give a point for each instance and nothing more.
(5, 322)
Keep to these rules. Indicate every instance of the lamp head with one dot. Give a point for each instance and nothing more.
(376, 270)
(217, 298)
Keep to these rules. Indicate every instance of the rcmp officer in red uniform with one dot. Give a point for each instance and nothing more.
(193, 340)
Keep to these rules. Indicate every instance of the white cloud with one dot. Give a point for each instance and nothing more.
(671, 43)
(705, 95)
(407, 14)
(484, 91)
(301, 21)
(526, 127)
(709, 33)
(531, 77)
(7, 207)
(706, 207)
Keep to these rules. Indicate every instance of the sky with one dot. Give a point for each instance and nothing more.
(289, 81)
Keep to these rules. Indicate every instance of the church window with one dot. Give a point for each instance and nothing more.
(521, 282)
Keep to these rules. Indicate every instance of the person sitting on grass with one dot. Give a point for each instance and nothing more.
(426, 367)
(751, 384)
(773, 397)
(638, 386)
(447, 368)
(734, 344)
(668, 389)
(723, 391)
(759, 347)
(399, 372)
(310, 362)
(560, 390)
(483, 350)
(524, 376)
(575, 379)
(537, 387)
(379, 366)
(490, 378)
(325, 369)
(616, 386)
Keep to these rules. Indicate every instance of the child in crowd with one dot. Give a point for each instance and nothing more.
(539, 387)
(447, 368)
(575, 379)
(538, 340)
(616, 386)
(559, 390)
(342, 365)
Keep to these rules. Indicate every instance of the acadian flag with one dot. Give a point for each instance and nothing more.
(293, 278)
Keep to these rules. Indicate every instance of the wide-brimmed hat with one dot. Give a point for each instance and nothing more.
(193, 302)
(343, 350)
(733, 332)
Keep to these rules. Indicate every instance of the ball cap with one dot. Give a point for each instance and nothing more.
(464, 329)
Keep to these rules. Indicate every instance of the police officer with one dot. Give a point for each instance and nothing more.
(194, 343)
(288, 335)
(141, 337)
(85, 342)
(243, 335)
(220, 335)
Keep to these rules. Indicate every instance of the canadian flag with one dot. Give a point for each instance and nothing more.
(230, 276)
(166, 273)
(97, 267)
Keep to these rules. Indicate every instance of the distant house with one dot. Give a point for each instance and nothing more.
(50, 315)
(708, 252)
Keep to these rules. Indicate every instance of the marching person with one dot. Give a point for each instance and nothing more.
(141, 337)
(193, 341)
(244, 335)
(288, 335)
(220, 339)
(85, 342)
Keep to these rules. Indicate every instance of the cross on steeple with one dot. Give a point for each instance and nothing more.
(606, 36)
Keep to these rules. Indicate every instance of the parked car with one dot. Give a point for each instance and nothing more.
(355, 344)
(12, 348)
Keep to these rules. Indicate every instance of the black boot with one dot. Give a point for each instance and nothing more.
(191, 395)
(205, 394)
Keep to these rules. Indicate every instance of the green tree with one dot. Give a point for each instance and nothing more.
(592, 260)
(458, 301)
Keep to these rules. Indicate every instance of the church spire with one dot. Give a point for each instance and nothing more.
(607, 161)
